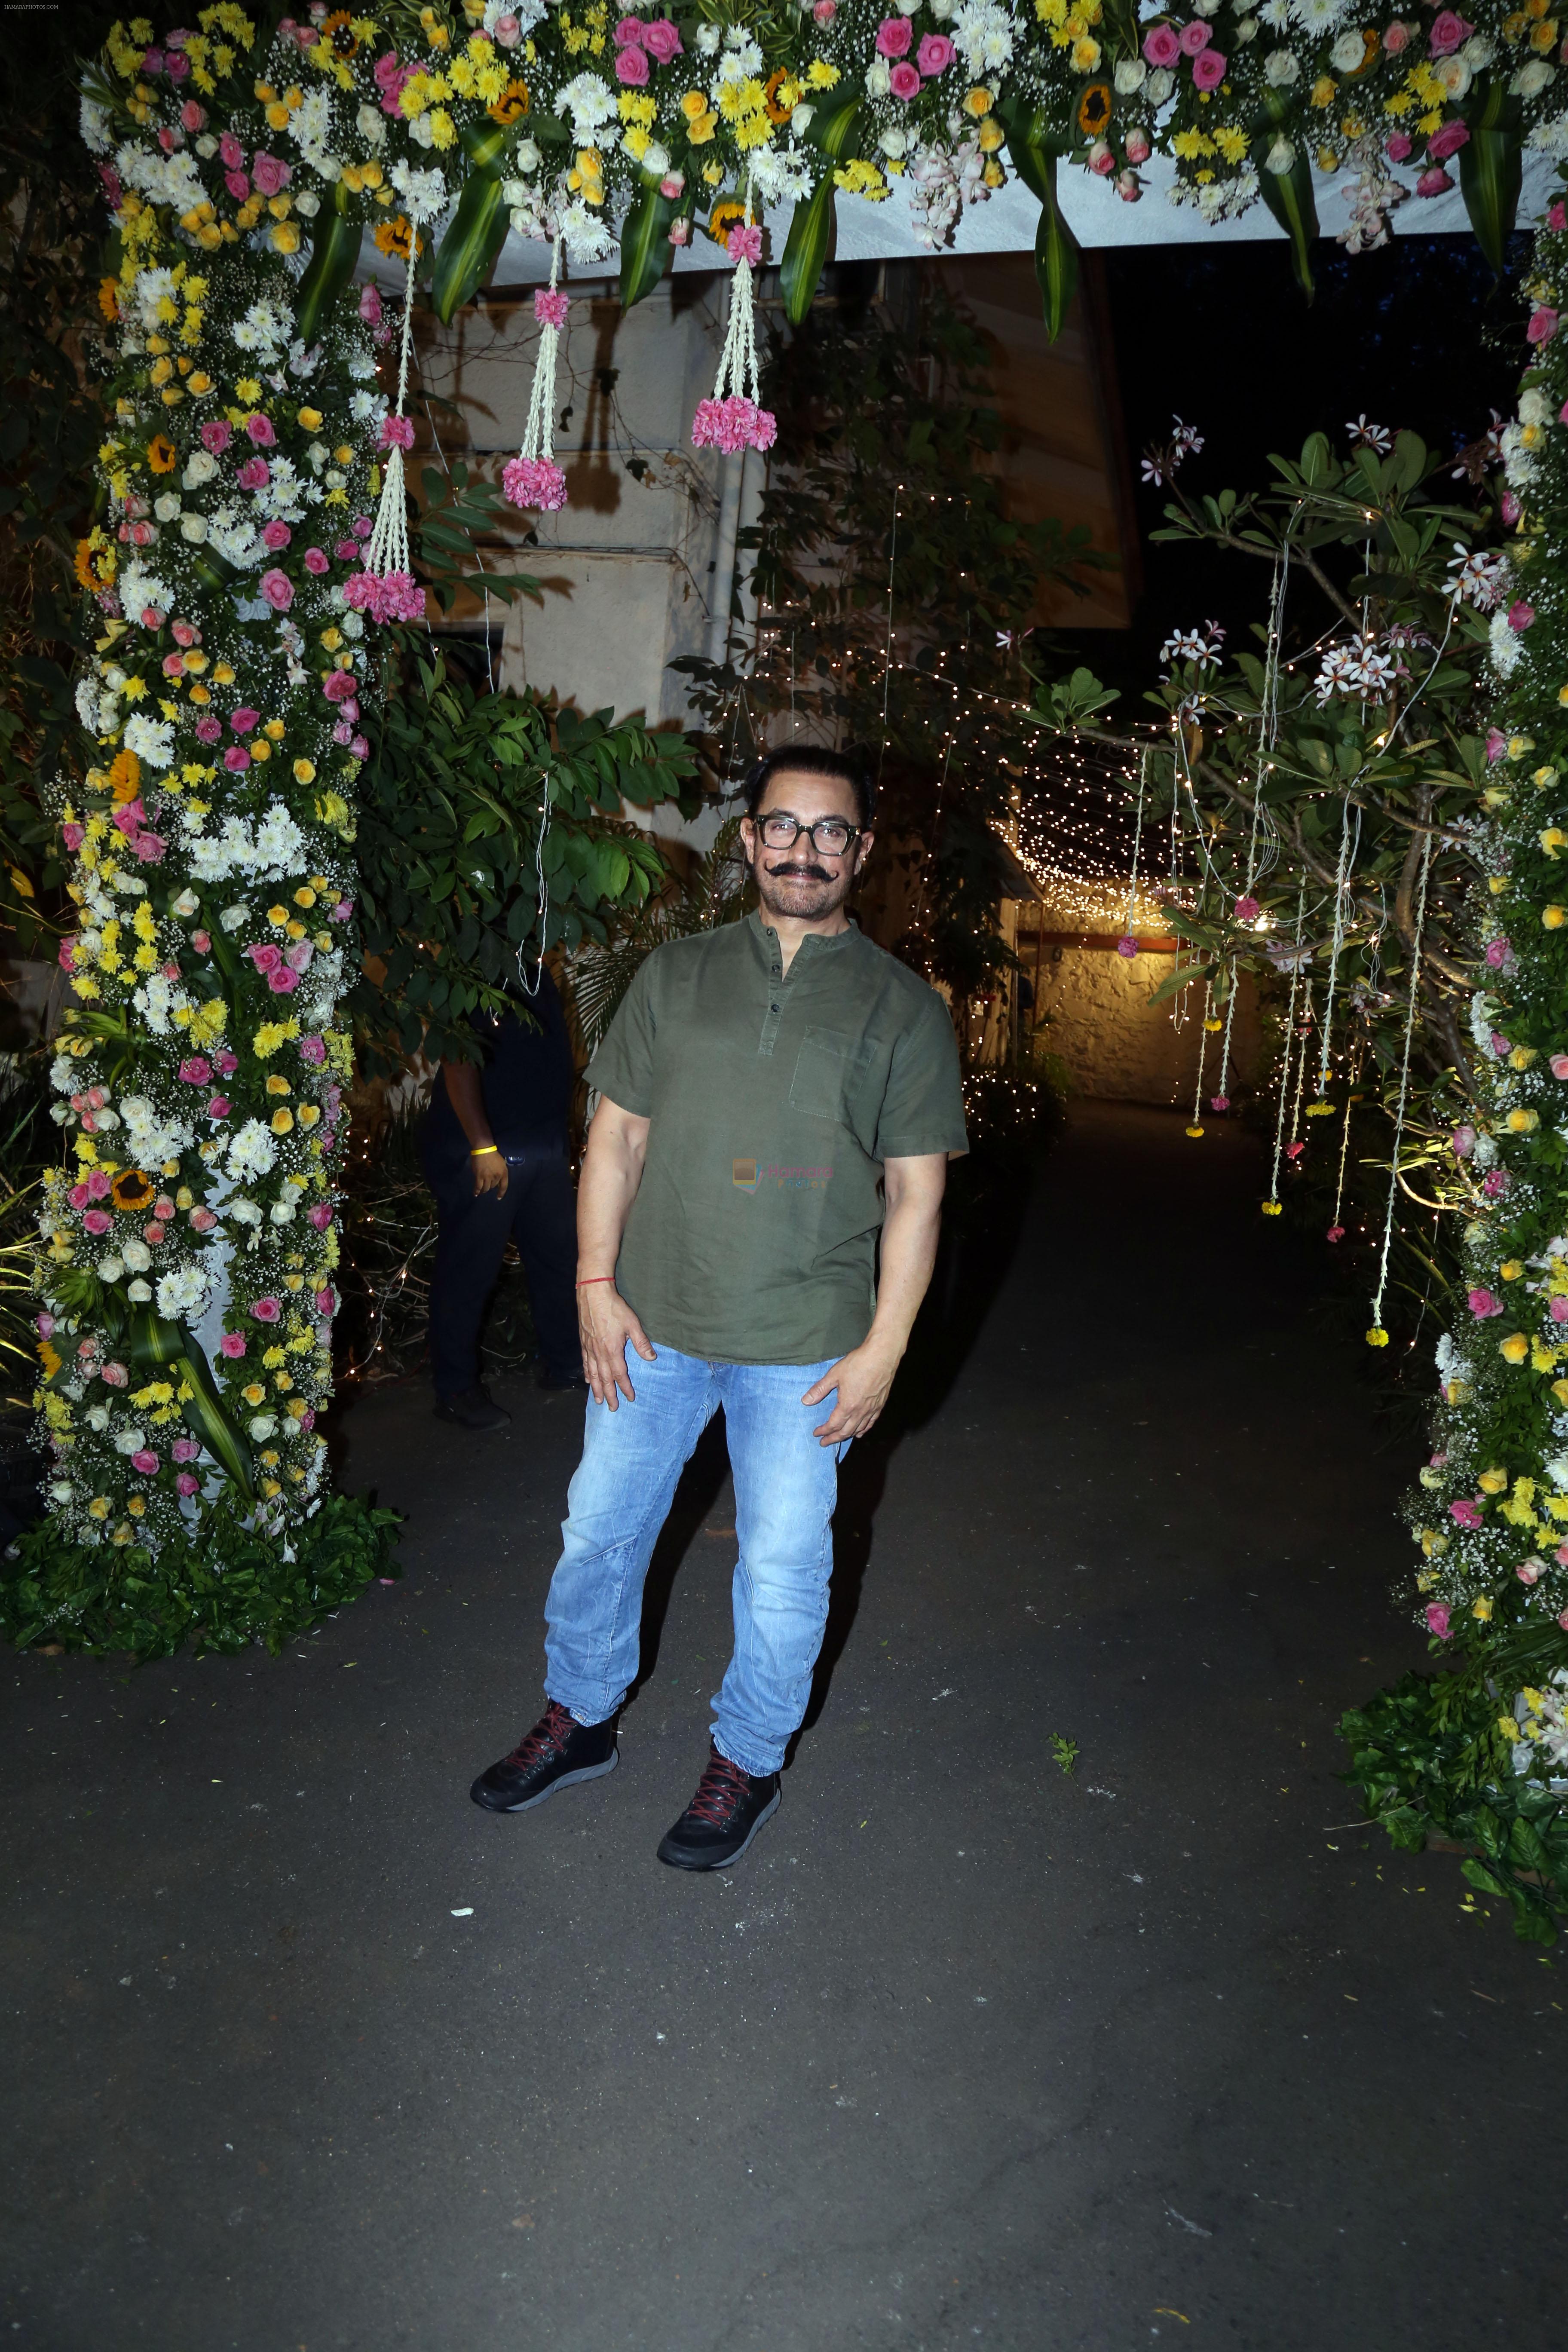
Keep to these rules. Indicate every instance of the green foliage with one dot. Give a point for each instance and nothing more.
(222, 1589)
(1429, 1761)
(459, 891)
(1064, 1753)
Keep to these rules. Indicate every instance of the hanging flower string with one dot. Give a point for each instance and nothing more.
(1377, 1337)
(1128, 945)
(733, 417)
(533, 478)
(1196, 1128)
(1274, 1206)
(1336, 1232)
(1321, 1108)
(386, 589)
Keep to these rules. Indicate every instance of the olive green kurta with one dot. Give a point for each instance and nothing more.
(774, 1101)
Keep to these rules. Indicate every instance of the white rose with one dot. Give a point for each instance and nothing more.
(801, 118)
(1454, 74)
(1280, 158)
(283, 1212)
(193, 529)
(185, 906)
(110, 1269)
(307, 204)
(1280, 70)
(200, 467)
(167, 506)
(263, 1426)
(207, 146)
(1531, 80)
(419, 131)
(370, 124)
(1159, 85)
(98, 1418)
(1348, 52)
(137, 1256)
(1130, 75)
(893, 143)
(878, 78)
(1246, 30)
(655, 161)
(139, 1291)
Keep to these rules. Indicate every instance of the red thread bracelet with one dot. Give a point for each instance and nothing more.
(592, 1278)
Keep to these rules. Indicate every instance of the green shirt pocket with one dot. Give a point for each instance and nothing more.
(829, 1067)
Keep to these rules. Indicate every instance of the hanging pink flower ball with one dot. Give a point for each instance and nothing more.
(535, 482)
(551, 304)
(1127, 946)
(396, 432)
(744, 242)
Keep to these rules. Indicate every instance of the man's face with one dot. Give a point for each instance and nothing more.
(804, 881)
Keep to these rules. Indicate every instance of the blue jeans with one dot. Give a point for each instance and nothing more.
(786, 1484)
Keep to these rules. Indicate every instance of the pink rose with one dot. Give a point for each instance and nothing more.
(1559, 1065)
(265, 956)
(98, 1182)
(297, 957)
(1521, 616)
(237, 184)
(226, 1064)
(148, 848)
(207, 728)
(283, 982)
(347, 551)
(244, 720)
(1194, 37)
(894, 35)
(97, 1220)
(278, 589)
(326, 1302)
(193, 118)
(661, 40)
(153, 1232)
(1447, 141)
(1557, 215)
(313, 1050)
(1482, 1303)
(259, 431)
(73, 835)
(217, 1109)
(361, 525)
(203, 1221)
(320, 1215)
(115, 1376)
(1434, 183)
(1495, 1184)
(1558, 1310)
(266, 1310)
(506, 31)
(339, 686)
(216, 436)
(824, 11)
(904, 81)
(1449, 32)
(315, 562)
(231, 154)
(187, 1484)
(196, 1071)
(1499, 954)
(236, 759)
(370, 304)
(629, 33)
(1396, 38)
(1465, 1513)
(1542, 325)
(270, 174)
(1437, 1619)
(1160, 46)
(673, 185)
(1464, 1142)
(144, 1460)
(276, 535)
(232, 1345)
(934, 55)
(184, 1449)
(632, 66)
(1496, 743)
(1137, 147)
(1209, 68)
(254, 475)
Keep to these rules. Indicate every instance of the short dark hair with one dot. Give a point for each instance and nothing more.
(813, 759)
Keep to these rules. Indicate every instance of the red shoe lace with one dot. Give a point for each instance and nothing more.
(723, 1786)
(551, 1732)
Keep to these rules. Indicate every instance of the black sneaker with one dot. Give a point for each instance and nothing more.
(723, 1817)
(475, 1409)
(558, 1751)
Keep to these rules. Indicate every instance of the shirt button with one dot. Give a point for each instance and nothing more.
(772, 1008)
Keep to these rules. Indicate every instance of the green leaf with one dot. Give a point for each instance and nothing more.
(1034, 153)
(1289, 194)
(805, 249)
(333, 255)
(1491, 172)
(646, 250)
(467, 251)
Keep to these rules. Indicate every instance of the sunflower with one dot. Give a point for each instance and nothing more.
(124, 777)
(511, 105)
(161, 454)
(108, 299)
(727, 213)
(1094, 109)
(780, 96)
(392, 237)
(95, 561)
(337, 32)
(131, 1190)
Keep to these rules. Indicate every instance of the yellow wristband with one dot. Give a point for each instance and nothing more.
(479, 1150)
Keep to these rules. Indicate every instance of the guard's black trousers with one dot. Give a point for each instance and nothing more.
(538, 1211)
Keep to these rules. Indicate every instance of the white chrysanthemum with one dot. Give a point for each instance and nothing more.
(1503, 645)
(589, 102)
(1316, 15)
(782, 175)
(279, 844)
(171, 180)
(586, 236)
(311, 129)
(96, 707)
(152, 739)
(152, 1136)
(1552, 138)
(265, 328)
(983, 36)
(253, 1152)
(97, 126)
(140, 588)
(235, 536)
(424, 194)
(183, 1295)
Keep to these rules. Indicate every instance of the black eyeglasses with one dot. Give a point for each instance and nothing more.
(830, 835)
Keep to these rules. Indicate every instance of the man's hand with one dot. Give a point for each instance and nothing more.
(606, 1325)
(489, 1172)
(863, 1379)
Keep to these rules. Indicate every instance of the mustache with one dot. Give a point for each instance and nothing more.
(803, 873)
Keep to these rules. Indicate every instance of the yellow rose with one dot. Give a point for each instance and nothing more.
(1514, 1348)
(1493, 1482)
(304, 772)
(1483, 1609)
(1554, 918)
(282, 1121)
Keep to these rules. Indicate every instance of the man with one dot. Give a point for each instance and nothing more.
(495, 1157)
(777, 1095)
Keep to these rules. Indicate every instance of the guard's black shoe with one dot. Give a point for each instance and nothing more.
(473, 1409)
(723, 1817)
(558, 1751)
